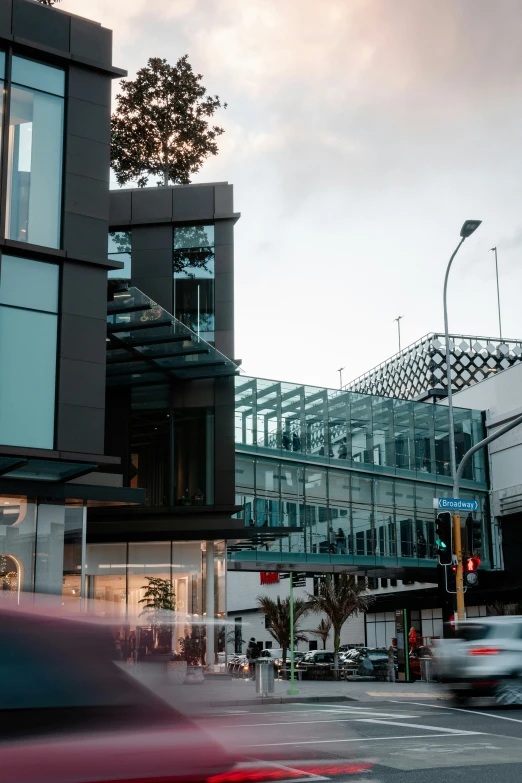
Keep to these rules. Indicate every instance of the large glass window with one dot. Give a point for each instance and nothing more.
(193, 264)
(120, 250)
(28, 329)
(36, 121)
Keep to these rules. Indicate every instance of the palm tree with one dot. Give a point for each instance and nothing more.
(340, 597)
(277, 616)
(322, 630)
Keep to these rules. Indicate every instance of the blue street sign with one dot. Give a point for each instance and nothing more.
(455, 504)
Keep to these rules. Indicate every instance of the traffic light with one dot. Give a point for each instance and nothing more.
(443, 540)
(471, 565)
(474, 534)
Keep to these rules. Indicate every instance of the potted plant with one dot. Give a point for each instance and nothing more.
(176, 669)
(193, 649)
(159, 600)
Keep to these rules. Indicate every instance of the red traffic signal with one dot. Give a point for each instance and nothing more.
(471, 564)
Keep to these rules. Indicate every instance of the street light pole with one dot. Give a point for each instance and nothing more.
(340, 371)
(466, 231)
(498, 291)
(398, 319)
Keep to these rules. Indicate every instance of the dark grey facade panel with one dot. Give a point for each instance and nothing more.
(224, 259)
(85, 237)
(224, 486)
(86, 196)
(35, 22)
(152, 263)
(224, 289)
(88, 158)
(91, 41)
(82, 383)
(83, 338)
(224, 232)
(84, 290)
(80, 429)
(224, 341)
(6, 17)
(120, 207)
(225, 317)
(89, 120)
(159, 289)
(89, 86)
(224, 199)
(152, 237)
(148, 204)
(193, 203)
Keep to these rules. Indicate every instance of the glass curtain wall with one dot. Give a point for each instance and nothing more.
(194, 278)
(120, 250)
(338, 512)
(118, 576)
(28, 334)
(36, 123)
(338, 427)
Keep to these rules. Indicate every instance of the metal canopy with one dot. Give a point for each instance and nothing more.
(44, 469)
(147, 344)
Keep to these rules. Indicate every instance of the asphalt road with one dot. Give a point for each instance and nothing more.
(423, 741)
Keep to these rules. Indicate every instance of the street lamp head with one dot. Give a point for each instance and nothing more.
(469, 227)
(491, 249)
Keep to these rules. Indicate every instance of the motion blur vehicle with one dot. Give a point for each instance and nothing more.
(484, 660)
(276, 655)
(70, 714)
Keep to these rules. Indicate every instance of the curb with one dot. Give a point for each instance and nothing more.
(280, 700)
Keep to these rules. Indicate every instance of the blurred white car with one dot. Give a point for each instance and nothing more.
(484, 660)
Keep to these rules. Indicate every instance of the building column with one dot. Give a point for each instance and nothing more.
(210, 603)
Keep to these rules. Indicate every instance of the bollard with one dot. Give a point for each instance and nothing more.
(264, 677)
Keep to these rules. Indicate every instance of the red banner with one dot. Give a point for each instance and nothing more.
(269, 577)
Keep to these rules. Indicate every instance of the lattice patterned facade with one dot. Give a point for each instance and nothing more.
(422, 365)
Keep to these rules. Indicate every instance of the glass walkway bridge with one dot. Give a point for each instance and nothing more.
(336, 480)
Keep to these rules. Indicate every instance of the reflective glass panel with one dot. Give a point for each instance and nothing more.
(28, 283)
(27, 391)
(34, 202)
(42, 77)
(193, 269)
(120, 250)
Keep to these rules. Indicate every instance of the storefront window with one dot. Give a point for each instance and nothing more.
(36, 121)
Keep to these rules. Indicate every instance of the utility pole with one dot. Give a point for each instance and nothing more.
(292, 691)
(494, 249)
(398, 319)
(340, 371)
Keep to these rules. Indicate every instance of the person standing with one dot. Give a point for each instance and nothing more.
(252, 654)
(340, 542)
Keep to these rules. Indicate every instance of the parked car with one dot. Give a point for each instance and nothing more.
(276, 655)
(316, 659)
(484, 660)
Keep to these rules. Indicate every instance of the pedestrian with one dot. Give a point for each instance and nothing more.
(343, 450)
(412, 639)
(331, 541)
(296, 442)
(340, 542)
(286, 441)
(421, 545)
(252, 653)
(391, 663)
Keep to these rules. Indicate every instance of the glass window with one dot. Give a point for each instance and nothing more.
(339, 486)
(36, 122)
(120, 250)
(245, 473)
(27, 283)
(2, 65)
(27, 391)
(193, 268)
(45, 78)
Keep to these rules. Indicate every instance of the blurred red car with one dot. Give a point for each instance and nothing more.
(69, 714)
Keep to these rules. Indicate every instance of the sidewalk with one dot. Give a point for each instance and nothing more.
(225, 692)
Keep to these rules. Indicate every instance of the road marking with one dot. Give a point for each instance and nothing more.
(319, 722)
(459, 709)
(355, 739)
(416, 726)
(410, 694)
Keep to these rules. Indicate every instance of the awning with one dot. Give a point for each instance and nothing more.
(148, 345)
(44, 469)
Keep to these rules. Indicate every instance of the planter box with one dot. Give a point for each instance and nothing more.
(176, 672)
(194, 676)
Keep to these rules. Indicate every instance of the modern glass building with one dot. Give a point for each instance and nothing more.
(340, 478)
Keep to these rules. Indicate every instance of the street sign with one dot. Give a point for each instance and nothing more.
(455, 504)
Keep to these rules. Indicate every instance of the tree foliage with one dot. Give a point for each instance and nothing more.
(277, 616)
(341, 597)
(161, 124)
(322, 631)
(194, 647)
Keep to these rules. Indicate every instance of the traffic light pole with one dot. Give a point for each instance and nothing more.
(292, 691)
(457, 544)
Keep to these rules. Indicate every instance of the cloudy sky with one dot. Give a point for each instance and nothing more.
(359, 136)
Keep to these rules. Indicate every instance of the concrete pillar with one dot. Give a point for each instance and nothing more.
(210, 605)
